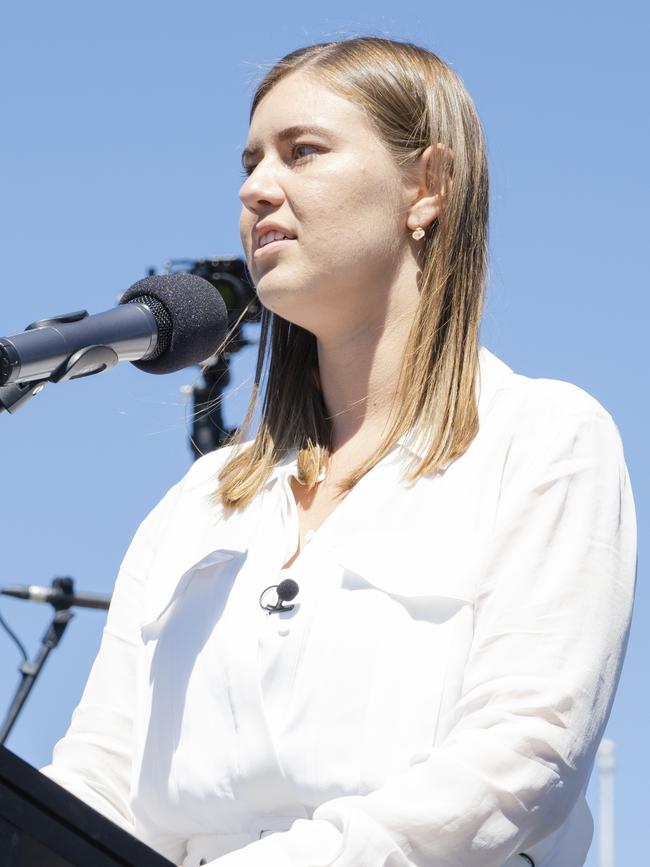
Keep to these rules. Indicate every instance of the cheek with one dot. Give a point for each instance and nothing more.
(357, 201)
(244, 222)
(245, 233)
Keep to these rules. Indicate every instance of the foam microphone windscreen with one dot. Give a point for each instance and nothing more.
(191, 316)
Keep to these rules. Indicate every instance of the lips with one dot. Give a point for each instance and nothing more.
(274, 230)
(270, 237)
(271, 248)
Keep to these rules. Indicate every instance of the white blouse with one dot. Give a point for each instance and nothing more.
(435, 697)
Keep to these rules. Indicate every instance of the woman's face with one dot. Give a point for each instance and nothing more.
(318, 172)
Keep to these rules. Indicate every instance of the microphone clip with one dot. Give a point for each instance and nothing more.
(286, 591)
(83, 362)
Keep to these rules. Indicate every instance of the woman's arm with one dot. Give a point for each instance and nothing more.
(93, 759)
(552, 620)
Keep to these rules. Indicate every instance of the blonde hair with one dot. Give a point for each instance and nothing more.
(414, 100)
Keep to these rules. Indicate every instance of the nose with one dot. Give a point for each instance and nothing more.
(261, 189)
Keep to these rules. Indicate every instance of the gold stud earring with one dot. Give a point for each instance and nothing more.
(418, 233)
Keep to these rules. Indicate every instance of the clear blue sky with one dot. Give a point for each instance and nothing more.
(122, 125)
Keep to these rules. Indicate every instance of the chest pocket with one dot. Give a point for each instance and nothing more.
(429, 587)
(384, 645)
(161, 607)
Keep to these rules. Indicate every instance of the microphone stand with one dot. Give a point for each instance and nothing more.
(208, 428)
(31, 669)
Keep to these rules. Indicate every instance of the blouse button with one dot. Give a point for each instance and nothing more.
(284, 629)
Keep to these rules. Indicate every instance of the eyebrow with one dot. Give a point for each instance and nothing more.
(289, 132)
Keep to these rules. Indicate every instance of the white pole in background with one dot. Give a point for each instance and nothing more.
(606, 790)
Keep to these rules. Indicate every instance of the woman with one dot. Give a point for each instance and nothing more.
(462, 537)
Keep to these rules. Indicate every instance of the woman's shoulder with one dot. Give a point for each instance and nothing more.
(540, 400)
(192, 496)
(206, 468)
(535, 418)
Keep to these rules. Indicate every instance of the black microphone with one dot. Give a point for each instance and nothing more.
(286, 590)
(57, 596)
(162, 324)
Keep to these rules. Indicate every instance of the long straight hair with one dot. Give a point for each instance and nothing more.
(413, 100)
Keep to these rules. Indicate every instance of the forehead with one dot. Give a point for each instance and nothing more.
(302, 100)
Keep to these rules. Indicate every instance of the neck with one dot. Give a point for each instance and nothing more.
(359, 373)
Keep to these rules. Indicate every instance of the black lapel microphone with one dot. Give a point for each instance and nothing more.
(286, 590)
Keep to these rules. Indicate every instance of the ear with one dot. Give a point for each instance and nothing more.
(430, 183)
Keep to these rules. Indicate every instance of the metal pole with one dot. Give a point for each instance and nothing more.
(606, 789)
(31, 670)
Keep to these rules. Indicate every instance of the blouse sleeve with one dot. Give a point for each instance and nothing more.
(551, 624)
(93, 759)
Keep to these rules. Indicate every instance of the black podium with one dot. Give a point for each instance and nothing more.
(43, 825)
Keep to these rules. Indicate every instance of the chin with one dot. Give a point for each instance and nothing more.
(276, 295)
(277, 303)
(300, 300)
(287, 307)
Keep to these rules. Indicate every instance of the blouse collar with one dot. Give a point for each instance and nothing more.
(492, 375)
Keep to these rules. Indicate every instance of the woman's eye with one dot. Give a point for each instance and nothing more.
(296, 153)
(300, 147)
